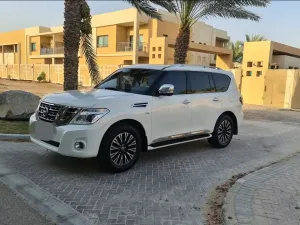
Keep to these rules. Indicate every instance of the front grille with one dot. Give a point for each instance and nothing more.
(57, 114)
(47, 112)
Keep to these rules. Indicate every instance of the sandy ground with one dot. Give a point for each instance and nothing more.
(36, 88)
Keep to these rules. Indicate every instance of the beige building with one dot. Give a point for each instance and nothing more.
(271, 75)
(120, 38)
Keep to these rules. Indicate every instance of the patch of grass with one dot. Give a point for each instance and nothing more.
(14, 127)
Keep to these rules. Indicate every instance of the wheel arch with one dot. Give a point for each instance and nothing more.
(134, 123)
(234, 119)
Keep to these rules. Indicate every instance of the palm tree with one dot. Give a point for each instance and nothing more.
(237, 51)
(254, 38)
(78, 29)
(190, 11)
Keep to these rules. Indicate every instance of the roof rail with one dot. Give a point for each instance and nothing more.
(214, 67)
(182, 65)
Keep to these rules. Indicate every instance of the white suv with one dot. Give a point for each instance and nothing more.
(140, 108)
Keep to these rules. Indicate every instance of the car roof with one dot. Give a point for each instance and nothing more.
(180, 67)
(146, 66)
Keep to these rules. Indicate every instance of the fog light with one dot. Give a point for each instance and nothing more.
(79, 145)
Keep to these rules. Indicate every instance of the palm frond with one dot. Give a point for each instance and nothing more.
(190, 11)
(87, 43)
(167, 4)
(255, 37)
(144, 6)
(90, 57)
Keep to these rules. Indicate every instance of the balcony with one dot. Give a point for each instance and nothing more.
(52, 51)
(128, 47)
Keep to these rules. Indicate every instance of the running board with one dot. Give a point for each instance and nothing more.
(178, 141)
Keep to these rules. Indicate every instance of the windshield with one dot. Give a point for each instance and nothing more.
(136, 81)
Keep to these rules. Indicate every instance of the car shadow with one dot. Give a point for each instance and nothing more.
(92, 165)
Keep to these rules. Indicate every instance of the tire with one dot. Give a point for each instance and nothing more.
(223, 132)
(120, 148)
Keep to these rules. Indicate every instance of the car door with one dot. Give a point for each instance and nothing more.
(226, 97)
(171, 114)
(205, 104)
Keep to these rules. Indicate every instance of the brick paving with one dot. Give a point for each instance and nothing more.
(166, 186)
(267, 197)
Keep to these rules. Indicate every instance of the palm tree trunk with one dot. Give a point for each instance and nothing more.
(71, 43)
(182, 45)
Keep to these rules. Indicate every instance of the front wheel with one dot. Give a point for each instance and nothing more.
(223, 132)
(120, 148)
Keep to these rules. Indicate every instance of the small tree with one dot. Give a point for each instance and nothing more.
(41, 77)
(237, 50)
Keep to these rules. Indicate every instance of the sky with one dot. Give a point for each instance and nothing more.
(280, 21)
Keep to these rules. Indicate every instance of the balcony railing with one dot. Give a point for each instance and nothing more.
(128, 47)
(51, 51)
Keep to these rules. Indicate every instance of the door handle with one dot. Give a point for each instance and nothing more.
(185, 102)
(215, 99)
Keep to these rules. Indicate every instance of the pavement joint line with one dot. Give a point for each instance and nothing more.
(43, 202)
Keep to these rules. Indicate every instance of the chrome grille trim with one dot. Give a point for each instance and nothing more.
(47, 111)
(57, 114)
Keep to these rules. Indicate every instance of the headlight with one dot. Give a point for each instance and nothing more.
(89, 116)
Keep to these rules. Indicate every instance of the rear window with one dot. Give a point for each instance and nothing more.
(199, 82)
(222, 82)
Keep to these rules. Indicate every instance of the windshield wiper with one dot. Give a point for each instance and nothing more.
(112, 88)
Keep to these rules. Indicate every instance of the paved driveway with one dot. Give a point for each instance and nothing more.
(167, 186)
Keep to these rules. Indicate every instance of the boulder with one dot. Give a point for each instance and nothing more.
(17, 105)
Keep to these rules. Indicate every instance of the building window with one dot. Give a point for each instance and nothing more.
(102, 41)
(159, 49)
(249, 64)
(153, 49)
(16, 48)
(249, 73)
(259, 64)
(258, 73)
(290, 67)
(153, 56)
(33, 47)
(159, 56)
(215, 57)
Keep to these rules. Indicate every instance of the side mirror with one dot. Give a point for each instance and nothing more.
(166, 89)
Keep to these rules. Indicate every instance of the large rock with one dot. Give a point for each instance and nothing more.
(17, 105)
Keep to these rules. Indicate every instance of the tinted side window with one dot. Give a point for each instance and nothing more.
(199, 82)
(177, 78)
(222, 82)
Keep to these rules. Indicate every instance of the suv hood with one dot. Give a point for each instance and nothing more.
(83, 99)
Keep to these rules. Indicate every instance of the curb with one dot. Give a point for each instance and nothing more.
(14, 137)
(237, 204)
(58, 212)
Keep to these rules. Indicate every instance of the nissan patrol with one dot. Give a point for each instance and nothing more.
(140, 108)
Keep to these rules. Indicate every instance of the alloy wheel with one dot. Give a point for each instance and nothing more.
(224, 132)
(123, 149)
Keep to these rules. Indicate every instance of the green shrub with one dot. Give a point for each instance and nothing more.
(9, 76)
(41, 77)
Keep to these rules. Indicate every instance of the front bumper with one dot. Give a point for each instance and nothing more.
(65, 138)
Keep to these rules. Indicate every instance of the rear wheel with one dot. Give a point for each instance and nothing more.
(223, 132)
(120, 148)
